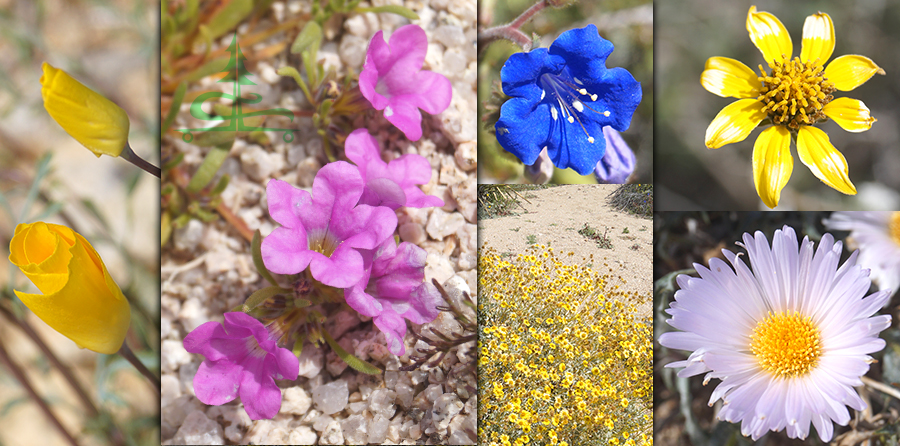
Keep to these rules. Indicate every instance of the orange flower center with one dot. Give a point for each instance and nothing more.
(786, 344)
(894, 227)
(795, 92)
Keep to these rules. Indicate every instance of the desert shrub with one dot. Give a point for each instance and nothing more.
(564, 358)
(633, 198)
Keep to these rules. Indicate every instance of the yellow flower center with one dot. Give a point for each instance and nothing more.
(795, 92)
(786, 344)
(895, 227)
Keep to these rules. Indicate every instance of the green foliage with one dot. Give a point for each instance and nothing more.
(593, 234)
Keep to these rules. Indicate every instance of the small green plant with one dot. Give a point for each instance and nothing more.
(532, 239)
(515, 229)
(625, 231)
(592, 234)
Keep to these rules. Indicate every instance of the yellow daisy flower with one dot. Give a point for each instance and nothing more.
(793, 95)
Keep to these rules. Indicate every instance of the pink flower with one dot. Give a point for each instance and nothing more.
(325, 229)
(389, 184)
(241, 358)
(393, 290)
(392, 81)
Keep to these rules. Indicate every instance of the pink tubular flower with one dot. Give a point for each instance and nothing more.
(324, 231)
(241, 358)
(392, 289)
(389, 184)
(392, 81)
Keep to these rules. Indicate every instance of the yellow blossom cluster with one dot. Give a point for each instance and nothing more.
(565, 356)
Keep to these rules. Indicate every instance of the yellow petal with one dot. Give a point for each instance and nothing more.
(82, 302)
(850, 71)
(851, 114)
(818, 39)
(730, 78)
(734, 123)
(94, 121)
(825, 162)
(772, 163)
(769, 35)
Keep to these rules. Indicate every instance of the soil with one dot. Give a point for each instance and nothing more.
(555, 215)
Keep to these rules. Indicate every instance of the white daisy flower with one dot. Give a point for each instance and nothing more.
(788, 340)
(877, 235)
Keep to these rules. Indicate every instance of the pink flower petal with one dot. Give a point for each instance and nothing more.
(217, 382)
(285, 251)
(434, 92)
(286, 202)
(394, 328)
(259, 393)
(403, 113)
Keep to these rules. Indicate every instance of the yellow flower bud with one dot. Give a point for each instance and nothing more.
(80, 300)
(94, 121)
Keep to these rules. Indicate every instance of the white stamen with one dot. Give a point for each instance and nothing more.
(543, 93)
(571, 119)
(388, 111)
(606, 113)
(591, 139)
(593, 97)
(582, 91)
(578, 106)
(553, 112)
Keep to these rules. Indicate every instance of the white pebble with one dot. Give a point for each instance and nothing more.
(332, 397)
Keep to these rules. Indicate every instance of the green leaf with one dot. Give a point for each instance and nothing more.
(257, 258)
(229, 16)
(357, 364)
(223, 183)
(177, 99)
(292, 72)
(309, 37)
(260, 296)
(208, 168)
(165, 227)
(176, 160)
(393, 9)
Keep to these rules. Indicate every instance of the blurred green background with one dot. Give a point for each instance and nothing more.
(628, 24)
(691, 177)
(110, 46)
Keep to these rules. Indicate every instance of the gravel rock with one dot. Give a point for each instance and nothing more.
(295, 401)
(332, 434)
(332, 397)
(198, 429)
(303, 435)
(311, 361)
(445, 408)
(355, 429)
(378, 429)
(381, 402)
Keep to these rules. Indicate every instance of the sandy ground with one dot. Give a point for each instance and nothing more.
(555, 215)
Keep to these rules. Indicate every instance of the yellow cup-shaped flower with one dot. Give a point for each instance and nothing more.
(80, 300)
(94, 121)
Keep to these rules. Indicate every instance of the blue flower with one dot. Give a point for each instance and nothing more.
(618, 161)
(562, 98)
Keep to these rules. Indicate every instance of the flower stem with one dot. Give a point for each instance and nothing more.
(129, 355)
(115, 434)
(511, 30)
(129, 155)
(23, 379)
